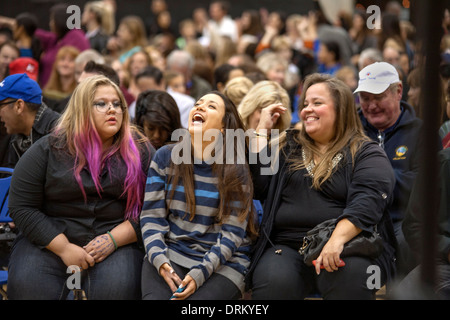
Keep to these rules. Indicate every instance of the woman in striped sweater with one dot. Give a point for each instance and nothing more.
(197, 218)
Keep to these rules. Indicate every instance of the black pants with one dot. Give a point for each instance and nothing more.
(285, 276)
(217, 287)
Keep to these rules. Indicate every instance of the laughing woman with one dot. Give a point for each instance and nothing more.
(328, 170)
(76, 196)
(196, 222)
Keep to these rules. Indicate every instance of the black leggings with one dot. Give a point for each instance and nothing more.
(285, 276)
(217, 287)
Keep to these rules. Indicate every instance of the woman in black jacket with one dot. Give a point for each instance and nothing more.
(75, 196)
(327, 170)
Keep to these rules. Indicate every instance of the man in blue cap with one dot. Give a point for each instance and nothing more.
(25, 117)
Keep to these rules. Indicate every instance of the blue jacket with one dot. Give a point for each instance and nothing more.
(401, 144)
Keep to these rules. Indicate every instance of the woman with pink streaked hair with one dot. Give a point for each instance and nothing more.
(76, 198)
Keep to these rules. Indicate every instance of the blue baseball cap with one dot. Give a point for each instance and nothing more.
(20, 86)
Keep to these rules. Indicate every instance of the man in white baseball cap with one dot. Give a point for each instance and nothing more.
(393, 124)
(377, 77)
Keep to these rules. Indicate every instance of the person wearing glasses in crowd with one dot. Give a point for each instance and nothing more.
(392, 122)
(75, 196)
(25, 117)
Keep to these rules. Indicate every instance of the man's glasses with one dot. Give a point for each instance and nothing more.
(7, 102)
(103, 107)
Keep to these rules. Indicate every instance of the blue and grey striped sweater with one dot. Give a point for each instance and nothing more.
(202, 245)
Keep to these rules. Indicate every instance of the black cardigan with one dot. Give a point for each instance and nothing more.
(371, 171)
(46, 200)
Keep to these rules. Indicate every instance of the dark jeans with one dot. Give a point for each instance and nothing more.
(285, 276)
(36, 273)
(217, 287)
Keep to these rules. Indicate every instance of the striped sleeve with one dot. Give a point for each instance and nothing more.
(229, 239)
(153, 219)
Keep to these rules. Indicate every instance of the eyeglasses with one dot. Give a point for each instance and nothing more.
(103, 107)
(381, 139)
(7, 102)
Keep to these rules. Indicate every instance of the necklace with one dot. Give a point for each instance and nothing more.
(310, 166)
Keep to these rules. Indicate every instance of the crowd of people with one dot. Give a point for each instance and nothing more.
(88, 118)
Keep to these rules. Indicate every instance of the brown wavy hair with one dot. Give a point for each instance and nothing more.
(349, 133)
(234, 180)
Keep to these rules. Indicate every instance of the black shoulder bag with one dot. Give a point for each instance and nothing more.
(365, 244)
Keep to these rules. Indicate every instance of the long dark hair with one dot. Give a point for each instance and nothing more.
(234, 181)
(158, 108)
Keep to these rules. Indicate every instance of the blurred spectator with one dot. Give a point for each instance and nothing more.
(25, 65)
(119, 69)
(187, 33)
(93, 68)
(260, 96)
(200, 18)
(391, 55)
(8, 52)
(158, 115)
(182, 61)
(23, 32)
(282, 45)
(84, 57)
(220, 23)
(99, 22)
(273, 66)
(130, 38)
(149, 78)
(223, 73)
(391, 35)
(5, 33)
(369, 56)
(362, 37)
(62, 80)
(250, 25)
(329, 57)
(165, 25)
(158, 60)
(349, 76)
(151, 21)
(446, 22)
(237, 88)
(223, 48)
(58, 37)
(175, 81)
(133, 65)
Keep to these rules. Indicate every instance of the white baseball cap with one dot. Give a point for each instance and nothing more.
(377, 77)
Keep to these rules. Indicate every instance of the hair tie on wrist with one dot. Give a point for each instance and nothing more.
(113, 240)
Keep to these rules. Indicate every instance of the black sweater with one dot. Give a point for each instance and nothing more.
(46, 200)
(359, 191)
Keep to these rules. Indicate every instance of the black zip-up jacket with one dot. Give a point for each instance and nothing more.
(369, 193)
(47, 119)
(402, 145)
(46, 200)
